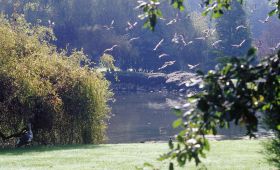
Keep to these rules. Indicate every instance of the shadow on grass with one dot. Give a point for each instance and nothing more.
(29, 149)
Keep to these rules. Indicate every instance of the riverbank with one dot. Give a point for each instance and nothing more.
(149, 82)
(226, 154)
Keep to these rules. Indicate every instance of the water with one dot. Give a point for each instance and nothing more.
(144, 116)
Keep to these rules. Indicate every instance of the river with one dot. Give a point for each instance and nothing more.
(147, 116)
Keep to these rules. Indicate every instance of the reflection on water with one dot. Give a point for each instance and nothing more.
(146, 116)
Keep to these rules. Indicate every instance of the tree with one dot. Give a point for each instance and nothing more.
(236, 91)
(63, 98)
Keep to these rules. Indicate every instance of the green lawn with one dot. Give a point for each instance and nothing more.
(231, 155)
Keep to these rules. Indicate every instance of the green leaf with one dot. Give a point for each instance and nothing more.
(251, 51)
(177, 123)
(272, 12)
(177, 112)
(146, 164)
(206, 145)
(278, 127)
(159, 13)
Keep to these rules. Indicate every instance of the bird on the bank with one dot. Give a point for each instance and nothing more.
(239, 45)
(26, 137)
(158, 44)
(110, 49)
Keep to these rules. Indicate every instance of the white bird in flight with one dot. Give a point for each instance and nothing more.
(51, 24)
(277, 45)
(168, 63)
(163, 55)
(239, 45)
(240, 26)
(275, 48)
(209, 32)
(134, 38)
(264, 21)
(200, 38)
(216, 43)
(159, 43)
(191, 67)
(131, 26)
(183, 40)
(110, 49)
(109, 27)
(175, 38)
(171, 22)
(190, 42)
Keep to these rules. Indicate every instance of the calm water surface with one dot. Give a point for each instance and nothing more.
(143, 116)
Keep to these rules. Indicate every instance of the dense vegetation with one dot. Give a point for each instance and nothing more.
(239, 90)
(60, 95)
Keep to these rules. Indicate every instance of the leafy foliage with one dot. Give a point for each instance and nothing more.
(272, 151)
(214, 8)
(65, 102)
(235, 92)
(107, 61)
(151, 12)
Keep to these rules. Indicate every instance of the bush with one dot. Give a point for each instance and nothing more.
(63, 98)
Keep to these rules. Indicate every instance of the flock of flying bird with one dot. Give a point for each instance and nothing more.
(179, 38)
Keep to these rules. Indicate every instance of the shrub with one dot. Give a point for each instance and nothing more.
(63, 97)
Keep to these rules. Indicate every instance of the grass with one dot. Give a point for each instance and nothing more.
(228, 154)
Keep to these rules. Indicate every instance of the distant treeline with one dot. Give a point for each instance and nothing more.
(96, 25)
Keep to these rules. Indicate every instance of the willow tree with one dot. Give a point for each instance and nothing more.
(60, 95)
